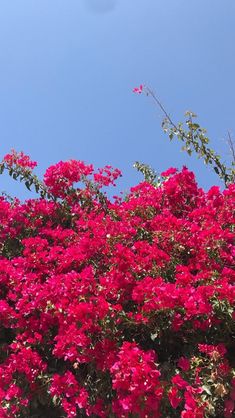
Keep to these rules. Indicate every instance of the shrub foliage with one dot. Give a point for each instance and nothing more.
(116, 308)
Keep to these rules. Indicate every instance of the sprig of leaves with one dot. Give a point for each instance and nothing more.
(27, 177)
(195, 139)
(148, 172)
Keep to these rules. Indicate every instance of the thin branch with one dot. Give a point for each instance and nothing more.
(194, 137)
(152, 94)
(231, 146)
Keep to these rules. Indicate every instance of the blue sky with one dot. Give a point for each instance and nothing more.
(68, 68)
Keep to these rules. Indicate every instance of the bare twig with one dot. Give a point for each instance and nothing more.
(150, 92)
(231, 146)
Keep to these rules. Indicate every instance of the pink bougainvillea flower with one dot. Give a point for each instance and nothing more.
(229, 408)
(179, 381)
(20, 159)
(139, 89)
(170, 172)
(184, 364)
(174, 397)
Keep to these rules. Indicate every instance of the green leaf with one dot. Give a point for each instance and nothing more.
(27, 184)
(154, 336)
(207, 390)
(194, 126)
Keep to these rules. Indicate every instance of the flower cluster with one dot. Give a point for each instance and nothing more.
(135, 378)
(61, 176)
(66, 387)
(19, 159)
(139, 89)
(117, 308)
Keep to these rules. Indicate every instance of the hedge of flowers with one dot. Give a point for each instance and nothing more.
(118, 307)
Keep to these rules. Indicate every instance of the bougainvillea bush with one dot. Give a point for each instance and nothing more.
(116, 307)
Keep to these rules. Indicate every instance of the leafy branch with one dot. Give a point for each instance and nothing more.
(25, 175)
(195, 139)
(148, 172)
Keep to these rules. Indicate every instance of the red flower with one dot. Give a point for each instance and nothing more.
(19, 159)
(184, 364)
(179, 381)
(174, 397)
(229, 406)
(138, 90)
(170, 172)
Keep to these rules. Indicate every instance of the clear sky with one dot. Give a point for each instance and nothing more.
(67, 69)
